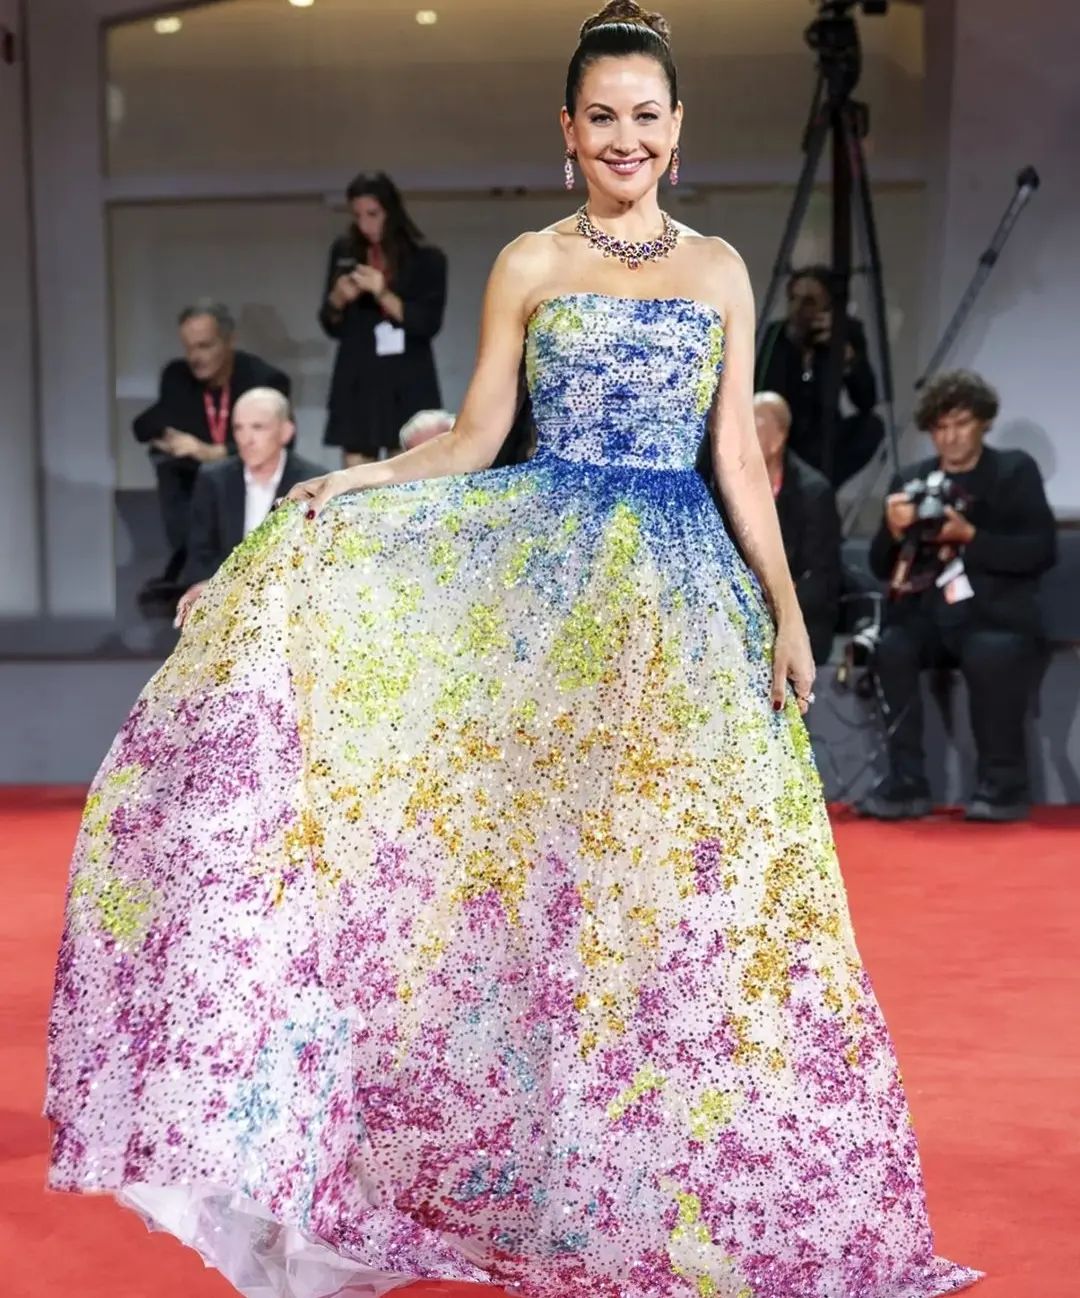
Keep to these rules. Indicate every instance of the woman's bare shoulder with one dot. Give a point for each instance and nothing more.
(532, 261)
(718, 267)
(539, 247)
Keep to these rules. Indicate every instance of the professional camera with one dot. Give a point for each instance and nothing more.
(834, 38)
(931, 496)
(836, 8)
(856, 667)
(919, 561)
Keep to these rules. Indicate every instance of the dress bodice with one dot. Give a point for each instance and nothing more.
(623, 381)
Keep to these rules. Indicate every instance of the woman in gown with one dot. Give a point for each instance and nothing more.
(459, 900)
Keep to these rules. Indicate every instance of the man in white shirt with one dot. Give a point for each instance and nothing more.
(233, 497)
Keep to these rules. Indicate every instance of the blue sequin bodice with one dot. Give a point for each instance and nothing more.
(623, 381)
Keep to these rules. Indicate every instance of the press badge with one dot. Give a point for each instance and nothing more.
(954, 583)
(389, 339)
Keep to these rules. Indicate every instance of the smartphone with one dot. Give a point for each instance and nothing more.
(344, 266)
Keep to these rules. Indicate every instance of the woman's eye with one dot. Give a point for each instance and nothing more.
(647, 117)
(600, 119)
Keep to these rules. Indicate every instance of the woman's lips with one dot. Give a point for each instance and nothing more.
(625, 166)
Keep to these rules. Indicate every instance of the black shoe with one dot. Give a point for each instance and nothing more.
(997, 813)
(891, 800)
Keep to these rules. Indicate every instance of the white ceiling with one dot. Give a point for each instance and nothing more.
(351, 33)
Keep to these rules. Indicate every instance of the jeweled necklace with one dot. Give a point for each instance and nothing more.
(631, 254)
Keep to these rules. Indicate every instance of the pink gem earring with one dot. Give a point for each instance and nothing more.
(568, 169)
(673, 175)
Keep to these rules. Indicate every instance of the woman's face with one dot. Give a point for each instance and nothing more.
(370, 217)
(623, 128)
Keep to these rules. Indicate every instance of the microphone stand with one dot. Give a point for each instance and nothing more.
(1027, 182)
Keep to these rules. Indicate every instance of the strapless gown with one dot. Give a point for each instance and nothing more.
(454, 904)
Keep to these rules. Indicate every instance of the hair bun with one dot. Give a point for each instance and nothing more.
(627, 11)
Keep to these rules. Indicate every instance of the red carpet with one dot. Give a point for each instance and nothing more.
(971, 934)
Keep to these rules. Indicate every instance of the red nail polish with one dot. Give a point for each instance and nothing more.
(777, 705)
(310, 514)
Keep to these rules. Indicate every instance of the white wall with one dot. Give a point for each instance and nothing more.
(1014, 98)
(77, 437)
(19, 568)
(1011, 99)
(266, 260)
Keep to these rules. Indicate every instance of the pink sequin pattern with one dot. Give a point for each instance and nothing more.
(453, 904)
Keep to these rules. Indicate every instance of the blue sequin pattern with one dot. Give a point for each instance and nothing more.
(623, 382)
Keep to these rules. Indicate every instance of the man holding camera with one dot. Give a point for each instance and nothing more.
(794, 362)
(964, 539)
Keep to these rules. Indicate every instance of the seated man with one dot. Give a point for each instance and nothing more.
(806, 508)
(232, 498)
(191, 422)
(975, 608)
(793, 362)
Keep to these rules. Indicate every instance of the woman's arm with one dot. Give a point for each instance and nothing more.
(330, 314)
(744, 482)
(490, 402)
(341, 290)
(740, 467)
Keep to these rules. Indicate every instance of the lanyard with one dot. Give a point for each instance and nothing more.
(217, 420)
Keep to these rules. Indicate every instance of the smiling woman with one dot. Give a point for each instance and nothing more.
(459, 899)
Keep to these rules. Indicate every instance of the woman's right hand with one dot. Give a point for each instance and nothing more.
(345, 290)
(317, 492)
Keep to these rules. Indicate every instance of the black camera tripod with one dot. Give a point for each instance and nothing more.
(834, 115)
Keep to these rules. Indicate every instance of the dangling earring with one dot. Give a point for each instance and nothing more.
(673, 175)
(568, 169)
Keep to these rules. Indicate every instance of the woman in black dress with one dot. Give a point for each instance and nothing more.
(384, 299)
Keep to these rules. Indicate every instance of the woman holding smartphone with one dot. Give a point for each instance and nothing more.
(384, 300)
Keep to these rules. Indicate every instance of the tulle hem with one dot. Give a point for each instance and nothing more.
(262, 1257)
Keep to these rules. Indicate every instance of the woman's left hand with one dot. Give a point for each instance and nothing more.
(793, 661)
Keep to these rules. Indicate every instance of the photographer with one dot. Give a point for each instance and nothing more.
(963, 554)
(794, 362)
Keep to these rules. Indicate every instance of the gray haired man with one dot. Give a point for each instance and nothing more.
(190, 424)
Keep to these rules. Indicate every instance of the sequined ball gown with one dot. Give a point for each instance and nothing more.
(454, 904)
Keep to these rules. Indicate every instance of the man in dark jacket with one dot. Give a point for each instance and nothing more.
(806, 508)
(234, 496)
(191, 422)
(977, 610)
(793, 362)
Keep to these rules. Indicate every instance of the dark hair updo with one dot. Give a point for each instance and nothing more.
(620, 29)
